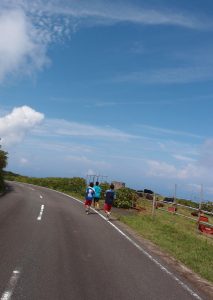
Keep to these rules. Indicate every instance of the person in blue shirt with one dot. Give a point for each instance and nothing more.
(109, 198)
(90, 193)
(97, 197)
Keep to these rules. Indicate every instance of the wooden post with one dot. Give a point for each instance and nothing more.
(200, 206)
(153, 206)
(175, 195)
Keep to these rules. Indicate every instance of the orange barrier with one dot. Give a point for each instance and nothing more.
(204, 227)
(172, 209)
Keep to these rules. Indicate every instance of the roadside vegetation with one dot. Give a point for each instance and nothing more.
(176, 235)
(3, 164)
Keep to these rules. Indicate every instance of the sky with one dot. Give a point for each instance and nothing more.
(122, 89)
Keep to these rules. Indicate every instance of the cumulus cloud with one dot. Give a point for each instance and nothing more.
(160, 169)
(22, 46)
(14, 126)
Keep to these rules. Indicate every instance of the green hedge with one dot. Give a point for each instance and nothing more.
(75, 184)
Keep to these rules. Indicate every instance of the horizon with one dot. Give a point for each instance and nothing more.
(121, 89)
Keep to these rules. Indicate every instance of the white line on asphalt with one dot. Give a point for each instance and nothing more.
(164, 269)
(41, 197)
(11, 285)
(41, 212)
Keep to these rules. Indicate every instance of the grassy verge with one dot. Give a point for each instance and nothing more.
(178, 237)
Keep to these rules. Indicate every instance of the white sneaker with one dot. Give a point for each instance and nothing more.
(108, 216)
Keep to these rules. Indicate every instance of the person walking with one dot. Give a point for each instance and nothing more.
(109, 198)
(97, 197)
(90, 193)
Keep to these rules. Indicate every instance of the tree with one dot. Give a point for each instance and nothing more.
(3, 159)
(3, 164)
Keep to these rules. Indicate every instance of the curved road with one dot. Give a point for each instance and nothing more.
(51, 250)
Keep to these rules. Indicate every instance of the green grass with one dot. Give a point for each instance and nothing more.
(177, 236)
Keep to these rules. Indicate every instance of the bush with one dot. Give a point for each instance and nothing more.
(2, 185)
(125, 198)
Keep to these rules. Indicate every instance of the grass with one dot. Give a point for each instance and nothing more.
(175, 235)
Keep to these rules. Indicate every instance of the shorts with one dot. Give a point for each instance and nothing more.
(107, 207)
(88, 202)
(96, 199)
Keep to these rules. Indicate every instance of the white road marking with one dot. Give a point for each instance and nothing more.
(41, 213)
(11, 285)
(41, 197)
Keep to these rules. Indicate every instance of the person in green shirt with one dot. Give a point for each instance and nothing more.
(97, 196)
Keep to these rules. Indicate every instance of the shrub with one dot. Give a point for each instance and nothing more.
(125, 198)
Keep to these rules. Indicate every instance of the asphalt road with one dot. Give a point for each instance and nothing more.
(51, 250)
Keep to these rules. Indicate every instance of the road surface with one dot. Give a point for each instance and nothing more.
(51, 250)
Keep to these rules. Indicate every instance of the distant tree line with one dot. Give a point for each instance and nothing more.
(125, 197)
(74, 185)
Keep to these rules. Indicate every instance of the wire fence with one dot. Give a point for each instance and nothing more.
(202, 218)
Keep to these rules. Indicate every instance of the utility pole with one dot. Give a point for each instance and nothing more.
(94, 177)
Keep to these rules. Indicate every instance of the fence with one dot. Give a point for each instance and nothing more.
(202, 218)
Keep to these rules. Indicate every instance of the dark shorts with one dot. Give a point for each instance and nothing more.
(96, 199)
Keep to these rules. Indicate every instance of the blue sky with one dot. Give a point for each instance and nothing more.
(117, 88)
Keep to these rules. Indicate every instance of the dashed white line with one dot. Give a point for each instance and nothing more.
(11, 285)
(41, 197)
(41, 213)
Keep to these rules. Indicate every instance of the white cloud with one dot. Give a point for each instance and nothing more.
(57, 127)
(22, 47)
(166, 131)
(183, 158)
(24, 161)
(14, 126)
(28, 27)
(110, 12)
(160, 169)
(174, 75)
